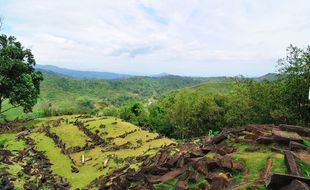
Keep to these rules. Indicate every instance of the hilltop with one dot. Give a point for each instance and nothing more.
(83, 151)
(71, 151)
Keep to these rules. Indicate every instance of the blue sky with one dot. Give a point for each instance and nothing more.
(193, 38)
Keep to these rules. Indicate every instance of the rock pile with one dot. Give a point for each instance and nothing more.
(187, 162)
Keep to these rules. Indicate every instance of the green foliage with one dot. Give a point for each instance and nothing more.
(305, 168)
(19, 82)
(134, 112)
(255, 102)
(187, 113)
(212, 133)
(307, 142)
(3, 142)
(296, 69)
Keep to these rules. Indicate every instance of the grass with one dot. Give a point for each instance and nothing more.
(168, 185)
(10, 142)
(305, 168)
(93, 168)
(62, 164)
(113, 130)
(70, 135)
(278, 164)
(255, 161)
(307, 142)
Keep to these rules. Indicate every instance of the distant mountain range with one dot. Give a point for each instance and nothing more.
(82, 74)
(54, 70)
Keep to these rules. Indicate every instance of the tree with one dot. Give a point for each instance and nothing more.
(134, 112)
(19, 82)
(193, 114)
(296, 71)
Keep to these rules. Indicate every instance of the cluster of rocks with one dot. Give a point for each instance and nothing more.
(126, 133)
(96, 139)
(57, 122)
(55, 138)
(84, 116)
(188, 162)
(38, 165)
(5, 181)
(36, 168)
(5, 156)
(14, 126)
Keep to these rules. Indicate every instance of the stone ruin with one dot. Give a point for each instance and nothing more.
(97, 140)
(36, 164)
(187, 161)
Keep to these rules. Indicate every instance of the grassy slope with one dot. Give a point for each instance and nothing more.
(73, 137)
(254, 161)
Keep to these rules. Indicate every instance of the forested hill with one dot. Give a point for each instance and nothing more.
(63, 94)
(82, 74)
(140, 87)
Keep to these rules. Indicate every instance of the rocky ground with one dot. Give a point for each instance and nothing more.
(85, 152)
(70, 152)
(250, 157)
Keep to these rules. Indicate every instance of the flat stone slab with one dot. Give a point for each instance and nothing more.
(291, 163)
(296, 185)
(277, 181)
(296, 146)
(264, 140)
(285, 136)
(303, 131)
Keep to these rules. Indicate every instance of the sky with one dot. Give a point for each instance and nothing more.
(183, 37)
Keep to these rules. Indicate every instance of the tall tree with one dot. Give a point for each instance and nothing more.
(296, 69)
(19, 81)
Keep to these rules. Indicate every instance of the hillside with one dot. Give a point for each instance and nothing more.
(75, 149)
(79, 151)
(61, 94)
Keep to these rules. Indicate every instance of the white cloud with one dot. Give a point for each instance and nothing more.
(181, 37)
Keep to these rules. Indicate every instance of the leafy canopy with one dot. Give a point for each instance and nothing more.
(19, 82)
(296, 69)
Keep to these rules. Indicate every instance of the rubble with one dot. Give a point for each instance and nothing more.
(188, 162)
